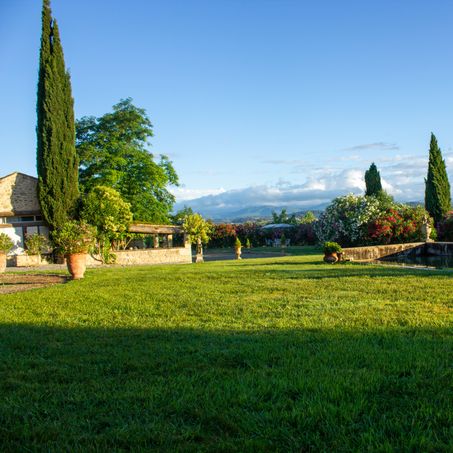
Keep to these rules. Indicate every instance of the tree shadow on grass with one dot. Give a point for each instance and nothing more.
(85, 389)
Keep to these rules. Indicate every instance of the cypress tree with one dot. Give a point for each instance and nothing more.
(437, 187)
(57, 162)
(373, 181)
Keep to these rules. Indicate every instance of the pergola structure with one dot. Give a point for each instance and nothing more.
(167, 230)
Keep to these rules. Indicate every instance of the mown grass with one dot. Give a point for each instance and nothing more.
(281, 354)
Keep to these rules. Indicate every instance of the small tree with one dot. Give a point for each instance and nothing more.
(437, 187)
(110, 214)
(199, 231)
(372, 181)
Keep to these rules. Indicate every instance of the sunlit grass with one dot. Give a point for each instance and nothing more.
(282, 354)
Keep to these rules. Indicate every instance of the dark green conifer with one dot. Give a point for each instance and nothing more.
(373, 181)
(57, 162)
(437, 187)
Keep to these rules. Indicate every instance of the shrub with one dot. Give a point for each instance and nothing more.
(346, 219)
(36, 244)
(74, 237)
(332, 247)
(6, 244)
(237, 243)
(445, 228)
(399, 224)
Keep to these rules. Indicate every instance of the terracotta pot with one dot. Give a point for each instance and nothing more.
(76, 263)
(331, 258)
(2, 262)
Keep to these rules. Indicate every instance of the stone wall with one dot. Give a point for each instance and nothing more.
(177, 255)
(379, 251)
(30, 260)
(18, 195)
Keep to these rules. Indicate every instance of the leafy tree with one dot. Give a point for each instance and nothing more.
(308, 217)
(113, 152)
(178, 218)
(57, 162)
(283, 217)
(197, 228)
(104, 208)
(373, 181)
(199, 231)
(437, 187)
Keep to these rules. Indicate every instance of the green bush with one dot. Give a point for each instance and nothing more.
(6, 244)
(332, 247)
(237, 243)
(36, 244)
(74, 237)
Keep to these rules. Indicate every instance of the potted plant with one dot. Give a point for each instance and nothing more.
(199, 231)
(6, 244)
(238, 248)
(74, 240)
(35, 245)
(332, 250)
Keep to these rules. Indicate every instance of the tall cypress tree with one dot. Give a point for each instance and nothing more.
(437, 187)
(57, 162)
(373, 181)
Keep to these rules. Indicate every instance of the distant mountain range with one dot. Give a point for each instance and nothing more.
(247, 213)
(211, 207)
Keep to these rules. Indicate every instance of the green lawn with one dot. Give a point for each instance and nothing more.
(281, 354)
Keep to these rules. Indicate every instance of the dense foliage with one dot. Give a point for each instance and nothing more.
(373, 181)
(437, 187)
(74, 237)
(197, 228)
(332, 247)
(359, 220)
(104, 208)
(36, 244)
(6, 244)
(224, 234)
(113, 152)
(445, 228)
(346, 219)
(57, 163)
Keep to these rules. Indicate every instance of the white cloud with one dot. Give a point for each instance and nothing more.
(402, 176)
(183, 193)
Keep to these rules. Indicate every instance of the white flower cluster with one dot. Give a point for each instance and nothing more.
(346, 218)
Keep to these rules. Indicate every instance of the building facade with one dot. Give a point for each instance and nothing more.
(19, 209)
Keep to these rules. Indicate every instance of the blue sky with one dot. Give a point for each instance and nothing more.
(288, 101)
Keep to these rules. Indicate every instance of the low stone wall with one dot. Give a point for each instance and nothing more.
(177, 255)
(29, 260)
(380, 251)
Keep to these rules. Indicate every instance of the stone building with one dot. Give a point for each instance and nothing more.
(19, 209)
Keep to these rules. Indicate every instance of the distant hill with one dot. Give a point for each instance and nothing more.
(247, 213)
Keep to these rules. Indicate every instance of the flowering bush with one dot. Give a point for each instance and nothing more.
(222, 235)
(346, 219)
(401, 223)
(359, 220)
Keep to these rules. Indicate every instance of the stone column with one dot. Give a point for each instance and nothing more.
(169, 241)
(156, 241)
